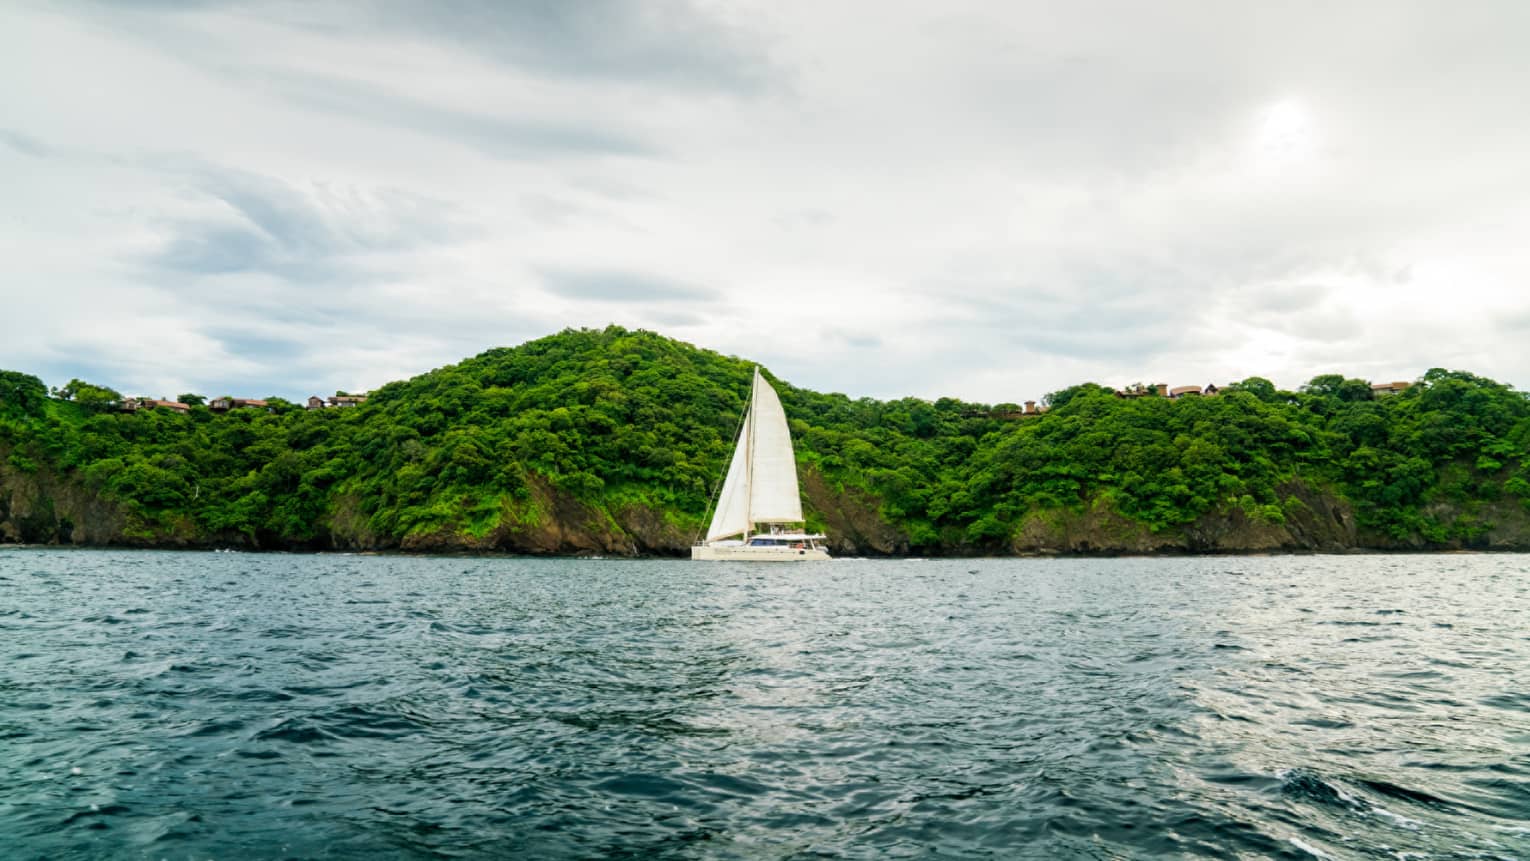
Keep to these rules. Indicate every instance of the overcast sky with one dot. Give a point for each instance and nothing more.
(989, 200)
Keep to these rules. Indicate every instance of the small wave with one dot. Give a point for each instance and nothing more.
(1513, 829)
(258, 695)
(1398, 819)
(217, 727)
(326, 690)
(732, 784)
(1392, 790)
(104, 618)
(1324, 723)
(1413, 674)
(1309, 848)
(294, 730)
(360, 721)
(93, 812)
(1516, 702)
(1306, 785)
(345, 722)
(644, 785)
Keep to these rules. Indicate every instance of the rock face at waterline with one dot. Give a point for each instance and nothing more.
(611, 442)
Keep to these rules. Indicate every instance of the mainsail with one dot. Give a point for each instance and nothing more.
(773, 494)
(761, 486)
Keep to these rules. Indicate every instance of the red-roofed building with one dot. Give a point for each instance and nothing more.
(131, 404)
(221, 404)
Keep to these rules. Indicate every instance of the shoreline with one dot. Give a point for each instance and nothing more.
(601, 557)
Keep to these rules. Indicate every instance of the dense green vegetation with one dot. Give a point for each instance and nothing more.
(617, 420)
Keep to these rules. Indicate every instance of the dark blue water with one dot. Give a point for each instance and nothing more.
(176, 705)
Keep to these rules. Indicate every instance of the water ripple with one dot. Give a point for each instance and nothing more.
(339, 706)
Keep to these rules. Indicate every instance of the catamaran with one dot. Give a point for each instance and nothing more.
(760, 490)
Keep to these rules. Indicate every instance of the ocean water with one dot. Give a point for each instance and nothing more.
(209, 705)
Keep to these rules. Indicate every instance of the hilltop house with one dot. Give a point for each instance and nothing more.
(1138, 390)
(1162, 390)
(132, 404)
(1183, 391)
(221, 404)
(1381, 389)
(317, 402)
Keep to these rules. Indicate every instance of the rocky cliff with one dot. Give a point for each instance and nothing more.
(38, 507)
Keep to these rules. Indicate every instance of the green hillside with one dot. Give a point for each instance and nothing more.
(612, 441)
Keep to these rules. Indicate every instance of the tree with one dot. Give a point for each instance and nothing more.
(1355, 391)
(90, 396)
(1336, 386)
(22, 393)
(1053, 400)
(192, 400)
(1259, 387)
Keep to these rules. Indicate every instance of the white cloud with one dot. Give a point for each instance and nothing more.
(979, 199)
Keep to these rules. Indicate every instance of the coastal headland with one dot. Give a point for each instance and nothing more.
(611, 442)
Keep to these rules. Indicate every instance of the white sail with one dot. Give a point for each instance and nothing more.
(761, 487)
(732, 515)
(773, 493)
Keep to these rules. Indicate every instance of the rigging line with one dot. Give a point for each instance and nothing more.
(717, 487)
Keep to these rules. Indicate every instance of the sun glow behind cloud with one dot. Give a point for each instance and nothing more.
(1285, 137)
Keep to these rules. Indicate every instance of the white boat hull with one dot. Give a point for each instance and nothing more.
(745, 553)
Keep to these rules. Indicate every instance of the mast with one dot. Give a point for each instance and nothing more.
(754, 398)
